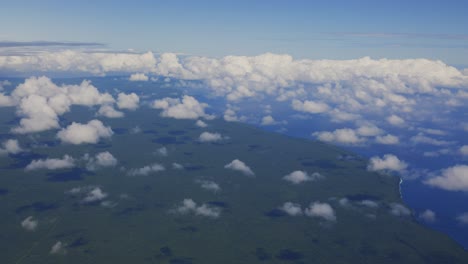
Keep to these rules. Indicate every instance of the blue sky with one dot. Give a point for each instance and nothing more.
(304, 29)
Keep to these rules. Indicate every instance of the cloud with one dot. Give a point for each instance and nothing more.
(40, 102)
(109, 112)
(200, 123)
(146, 170)
(162, 151)
(187, 108)
(94, 195)
(321, 210)
(91, 132)
(51, 164)
(29, 224)
(11, 146)
(128, 101)
(452, 179)
(239, 166)
(138, 77)
(291, 209)
(210, 137)
(397, 209)
(102, 159)
(428, 216)
(369, 131)
(341, 136)
(310, 106)
(464, 150)
(268, 120)
(387, 139)
(189, 206)
(58, 248)
(210, 186)
(369, 203)
(177, 166)
(388, 162)
(297, 177)
(463, 219)
(396, 120)
(420, 138)
(230, 115)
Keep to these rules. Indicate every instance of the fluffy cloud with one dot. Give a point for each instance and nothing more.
(51, 164)
(428, 216)
(162, 151)
(102, 159)
(369, 203)
(29, 224)
(463, 219)
(11, 146)
(297, 177)
(146, 170)
(399, 210)
(321, 210)
(210, 186)
(291, 209)
(177, 166)
(340, 136)
(239, 166)
(128, 101)
(396, 120)
(58, 248)
(40, 102)
(268, 120)
(187, 108)
(310, 106)
(388, 162)
(200, 123)
(420, 138)
(189, 206)
(109, 112)
(387, 140)
(452, 179)
(138, 77)
(464, 150)
(210, 137)
(94, 195)
(369, 131)
(91, 132)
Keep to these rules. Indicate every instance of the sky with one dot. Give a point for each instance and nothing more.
(304, 29)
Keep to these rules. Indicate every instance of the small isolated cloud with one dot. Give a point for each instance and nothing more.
(297, 177)
(311, 107)
(102, 159)
(91, 132)
(58, 248)
(321, 210)
(420, 138)
(239, 166)
(463, 218)
(230, 115)
(369, 131)
(177, 166)
(109, 112)
(396, 120)
(11, 146)
(389, 162)
(162, 151)
(291, 209)
(387, 140)
(452, 179)
(464, 150)
(268, 120)
(428, 216)
(187, 108)
(128, 101)
(138, 77)
(200, 123)
(210, 186)
(94, 195)
(146, 170)
(210, 137)
(369, 203)
(135, 130)
(340, 136)
(51, 164)
(29, 224)
(397, 209)
(189, 206)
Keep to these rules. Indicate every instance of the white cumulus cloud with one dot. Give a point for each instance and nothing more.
(210, 137)
(91, 132)
(11, 146)
(138, 77)
(388, 162)
(340, 136)
(297, 177)
(452, 179)
(292, 209)
(146, 170)
(29, 224)
(187, 108)
(189, 206)
(51, 164)
(128, 101)
(238, 165)
(321, 210)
